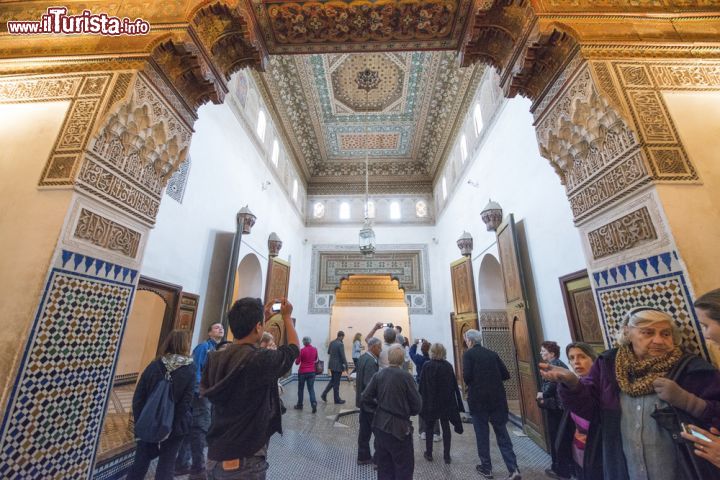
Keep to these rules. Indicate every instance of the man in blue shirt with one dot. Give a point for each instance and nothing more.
(191, 459)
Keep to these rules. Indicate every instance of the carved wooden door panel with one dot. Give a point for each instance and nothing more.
(278, 279)
(465, 316)
(187, 312)
(522, 335)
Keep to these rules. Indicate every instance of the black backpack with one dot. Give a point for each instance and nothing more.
(156, 418)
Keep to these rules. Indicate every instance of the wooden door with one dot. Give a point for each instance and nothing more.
(277, 285)
(581, 309)
(170, 293)
(522, 332)
(278, 279)
(465, 316)
(187, 312)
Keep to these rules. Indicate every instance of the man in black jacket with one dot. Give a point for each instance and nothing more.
(484, 373)
(241, 383)
(336, 365)
(397, 399)
(367, 366)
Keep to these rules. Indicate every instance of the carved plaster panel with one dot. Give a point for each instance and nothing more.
(140, 144)
(583, 135)
(100, 231)
(627, 231)
(647, 232)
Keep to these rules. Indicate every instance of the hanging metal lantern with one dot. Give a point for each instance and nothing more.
(366, 240)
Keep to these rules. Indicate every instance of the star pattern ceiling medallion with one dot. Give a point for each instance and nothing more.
(400, 107)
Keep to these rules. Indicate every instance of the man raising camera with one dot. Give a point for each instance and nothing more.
(239, 381)
(390, 341)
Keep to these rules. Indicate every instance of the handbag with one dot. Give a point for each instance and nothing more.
(319, 367)
(670, 419)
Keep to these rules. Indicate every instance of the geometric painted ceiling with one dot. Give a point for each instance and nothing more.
(406, 124)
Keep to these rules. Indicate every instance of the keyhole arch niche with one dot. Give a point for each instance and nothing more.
(363, 300)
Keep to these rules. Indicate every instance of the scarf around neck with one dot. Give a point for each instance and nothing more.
(635, 377)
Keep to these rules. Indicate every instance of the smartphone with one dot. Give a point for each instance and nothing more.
(695, 434)
(276, 307)
(387, 325)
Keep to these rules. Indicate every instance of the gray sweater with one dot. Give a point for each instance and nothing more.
(397, 398)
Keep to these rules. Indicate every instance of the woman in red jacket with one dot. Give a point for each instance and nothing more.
(306, 373)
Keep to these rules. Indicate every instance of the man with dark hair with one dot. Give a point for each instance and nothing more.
(191, 458)
(336, 365)
(399, 338)
(367, 367)
(241, 383)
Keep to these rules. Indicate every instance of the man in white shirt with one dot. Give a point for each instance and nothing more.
(389, 337)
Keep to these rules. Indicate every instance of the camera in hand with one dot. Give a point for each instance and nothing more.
(387, 325)
(276, 307)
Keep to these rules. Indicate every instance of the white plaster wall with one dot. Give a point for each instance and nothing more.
(434, 326)
(510, 170)
(30, 221)
(227, 173)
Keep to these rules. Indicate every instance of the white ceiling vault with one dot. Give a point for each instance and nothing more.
(407, 125)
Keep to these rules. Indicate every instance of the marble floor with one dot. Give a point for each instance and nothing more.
(321, 448)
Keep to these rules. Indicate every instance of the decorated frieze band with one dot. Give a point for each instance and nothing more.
(616, 183)
(105, 233)
(624, 233)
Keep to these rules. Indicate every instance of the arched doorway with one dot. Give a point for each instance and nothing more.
(248, 282)
(494, 324)
(153, 311)
(363, 300)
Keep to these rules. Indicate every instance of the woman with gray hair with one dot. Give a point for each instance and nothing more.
(625, 388)
(306, 373)
(439, 391)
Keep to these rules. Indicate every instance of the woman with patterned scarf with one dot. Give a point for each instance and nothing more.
(627, 384)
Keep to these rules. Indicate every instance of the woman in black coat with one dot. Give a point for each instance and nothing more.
(440, 399)
(174, 359)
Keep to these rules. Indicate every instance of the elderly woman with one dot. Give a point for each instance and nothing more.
(627, 384)
(439, 391)
(549, 401)
(707, 307)
(573, 428)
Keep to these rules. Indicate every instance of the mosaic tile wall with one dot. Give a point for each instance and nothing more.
(55, 411)
(657, 281)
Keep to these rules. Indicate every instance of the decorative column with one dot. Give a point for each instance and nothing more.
(244, 221)
(92, 140)
(274, 245)
(465, 244)
(626, 125)
(492, 215)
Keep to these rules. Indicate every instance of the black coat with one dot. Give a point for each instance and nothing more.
(337, 362)
(183, 384)
(484, 373)
(439, 388)
(366, 367)
(550, 396)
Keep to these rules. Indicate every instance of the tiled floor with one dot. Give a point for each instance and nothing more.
(319, 448)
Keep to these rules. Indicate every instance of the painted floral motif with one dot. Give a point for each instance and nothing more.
(362, 21)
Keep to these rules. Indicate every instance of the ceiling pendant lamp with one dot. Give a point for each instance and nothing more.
(367, 80)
